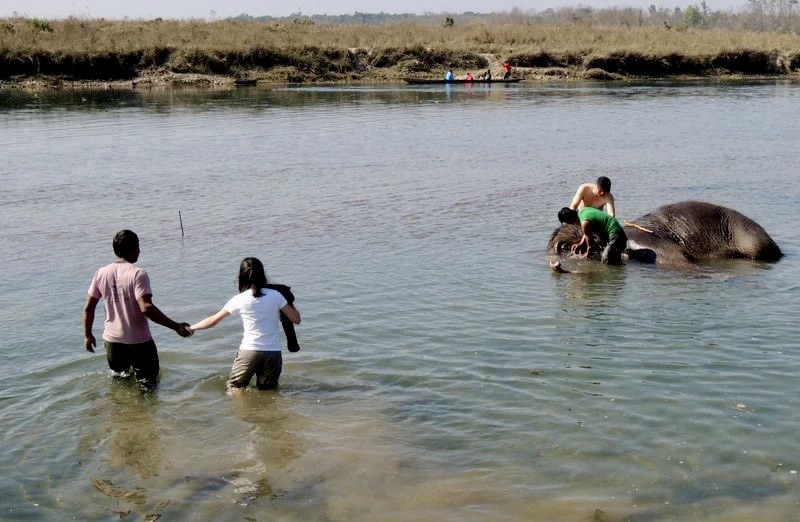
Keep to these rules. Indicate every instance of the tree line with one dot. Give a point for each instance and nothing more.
(755, 15)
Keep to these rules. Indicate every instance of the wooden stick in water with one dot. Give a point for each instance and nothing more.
(181, 220)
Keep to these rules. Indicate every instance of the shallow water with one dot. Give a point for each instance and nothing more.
(445, 371)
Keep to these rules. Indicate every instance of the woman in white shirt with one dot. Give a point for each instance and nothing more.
(259, 307)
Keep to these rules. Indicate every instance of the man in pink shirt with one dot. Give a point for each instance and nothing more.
(128, 300)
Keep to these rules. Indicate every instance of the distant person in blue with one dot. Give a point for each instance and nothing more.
(448, 77)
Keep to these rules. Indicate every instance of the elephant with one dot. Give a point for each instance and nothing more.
(683, 234)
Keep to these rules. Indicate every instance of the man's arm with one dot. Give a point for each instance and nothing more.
(585, 240)
(610, 206)
(89, 308)
(151, 311)
(576, 201)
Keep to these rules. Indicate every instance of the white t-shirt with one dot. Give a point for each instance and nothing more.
(260, 317)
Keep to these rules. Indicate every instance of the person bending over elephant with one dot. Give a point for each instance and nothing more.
(606, 227)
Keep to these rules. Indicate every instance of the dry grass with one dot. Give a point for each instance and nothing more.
(75, 36)
(100, 49)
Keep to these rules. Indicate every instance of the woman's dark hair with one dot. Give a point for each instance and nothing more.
(252, 276)
(125, 243)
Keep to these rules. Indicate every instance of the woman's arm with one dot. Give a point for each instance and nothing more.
(292, 313)
(211, 321)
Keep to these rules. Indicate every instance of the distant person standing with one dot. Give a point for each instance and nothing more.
(448, 77)
(128, 300)
(507, 68)
(487, 75)
(595, 195)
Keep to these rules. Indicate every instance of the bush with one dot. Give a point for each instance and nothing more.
(41, 26)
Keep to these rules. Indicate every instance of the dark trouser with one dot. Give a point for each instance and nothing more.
(612, 253)
(141, 359)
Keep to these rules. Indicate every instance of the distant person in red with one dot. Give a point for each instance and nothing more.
(469, 77)
(507, 67)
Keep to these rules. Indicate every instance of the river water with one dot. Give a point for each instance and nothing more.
(445, 373)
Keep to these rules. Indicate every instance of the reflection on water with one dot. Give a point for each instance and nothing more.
(135, 441)
(261, 98)
(592, 282)
(135, 448)
(125, 446)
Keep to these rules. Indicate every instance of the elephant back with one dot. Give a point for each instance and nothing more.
(706, 231)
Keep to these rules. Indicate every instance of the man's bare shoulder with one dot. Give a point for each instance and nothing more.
(584, 190)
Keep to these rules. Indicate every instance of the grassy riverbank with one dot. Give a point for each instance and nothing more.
(169, 51)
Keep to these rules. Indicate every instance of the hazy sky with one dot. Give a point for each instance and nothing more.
(117, 9)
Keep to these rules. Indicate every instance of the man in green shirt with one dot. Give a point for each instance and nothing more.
(595, 221)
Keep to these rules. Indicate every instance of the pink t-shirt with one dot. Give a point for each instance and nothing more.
(120, 285)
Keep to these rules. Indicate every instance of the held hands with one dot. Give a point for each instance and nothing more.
(184, 330)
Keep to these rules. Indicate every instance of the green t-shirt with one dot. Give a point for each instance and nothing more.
(600, 220)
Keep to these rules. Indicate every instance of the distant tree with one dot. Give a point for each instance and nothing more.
(757, 15)
(776, 15)
(693, 16)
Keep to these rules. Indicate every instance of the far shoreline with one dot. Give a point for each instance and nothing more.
(162, 80)
(73, 53)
